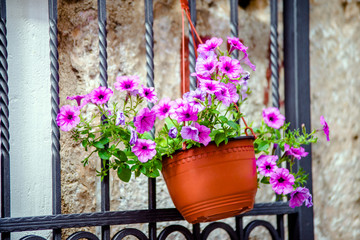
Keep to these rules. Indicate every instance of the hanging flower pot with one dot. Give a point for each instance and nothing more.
(211, 183)
(217, 176)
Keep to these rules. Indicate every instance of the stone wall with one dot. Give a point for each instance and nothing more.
(334, 58)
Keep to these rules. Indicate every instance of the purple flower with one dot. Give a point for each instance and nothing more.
(173, 132)
(325, 127)
(101, 95)
(206, 67)
(308, 201)
(144, 121)
(273, 117)
(267, 165)
(186, 113)
(224, 94)
(236, 44)
(230, 67)
(193, 98)
(68, 117)
(246, 60)
(206, 55)
(299, 196)
(210, 45)
(126, 83)
(148, 93)
(190, 132)
(144, 149)
(210, 86)
(243, 90)
(120, 119)
(282, 181)
(296, 152)
(204, 133)
(78, 99)
(134, 92)
(133, 136)
(234, 97)
(164, 108)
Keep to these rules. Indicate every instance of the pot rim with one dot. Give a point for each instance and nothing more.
(213, 142)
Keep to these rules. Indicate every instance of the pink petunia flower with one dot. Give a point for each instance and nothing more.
(273, 118)
(204, 133)
(296, 152)
(126, 83)
(206, 55)
(193, 98)
(325, 128)
(210, 86)
(267, 165)
(224, 94)
(68, 117)
(230, 67)
(246, 60)
(79, 98)
(299, 196)
(190, 132)
(144, 120)
(282, 181)
(100, 95)
(144, 149)
(234, 97)
(187, 113)
(236, 44)
(164, 108)
(206, 67)
(148, 93)
(210, 45)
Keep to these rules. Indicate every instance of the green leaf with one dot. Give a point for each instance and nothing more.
(158, 164)
(265, 180)
(84, 143)
(131, 162)
(214, 111)
(169, 123)
(124, 174)
(233, 124)
(219, 138)
(103, 154)
(98, 145)
(104, 140)
(147, 135)
(223, 119)
(263, 146)
(120, 155)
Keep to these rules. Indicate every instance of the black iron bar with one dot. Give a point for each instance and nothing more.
(105, 189)
(234, 29)
(274, 67)
(149, 38)
(120, 217)
(4, 121)
(192, 58)
(297, 99)
(55, 133)
(239, 227)
(274, 55)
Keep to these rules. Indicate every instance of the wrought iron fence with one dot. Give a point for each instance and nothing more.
(297, 110)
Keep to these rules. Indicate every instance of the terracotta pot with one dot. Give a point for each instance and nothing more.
(212, 183)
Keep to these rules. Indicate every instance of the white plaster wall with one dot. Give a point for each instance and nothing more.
(29, 93)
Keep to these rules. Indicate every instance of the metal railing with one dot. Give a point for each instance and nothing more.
(297, 109)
